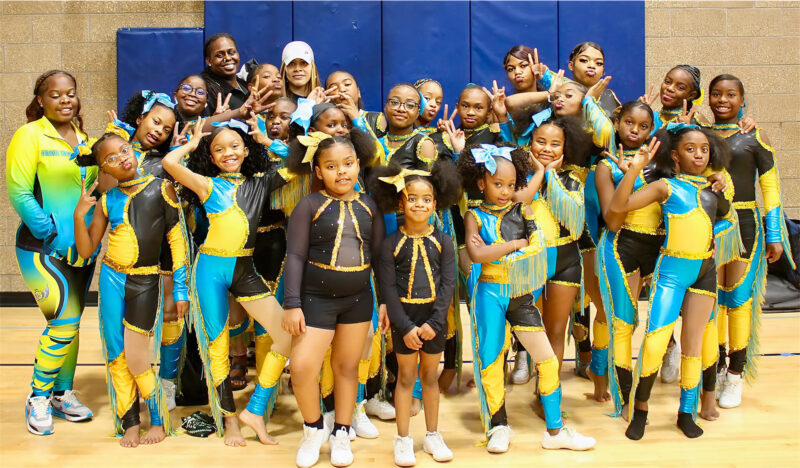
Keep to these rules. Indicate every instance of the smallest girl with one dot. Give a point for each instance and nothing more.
(432, 94)
(417, 304)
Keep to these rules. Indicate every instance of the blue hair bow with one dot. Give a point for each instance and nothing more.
(153, 97)
(674, 127)
(485, 153)
(234, 124)
(423, 103)
(536, 121)
(302, 115)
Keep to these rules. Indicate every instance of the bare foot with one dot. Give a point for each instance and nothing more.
(233, 436)
(131, 437)
(446, 379)
(708, 407)
(600, 386)
(256, 423)
(154, 435)
(416, 406)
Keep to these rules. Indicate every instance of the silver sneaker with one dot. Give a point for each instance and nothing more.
(68, 406)
(38, 415)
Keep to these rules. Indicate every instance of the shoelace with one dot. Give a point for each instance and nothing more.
(41, 407)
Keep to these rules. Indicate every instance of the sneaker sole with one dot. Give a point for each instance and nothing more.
(71, 417)
(405, 464)
(440, 460)
(492, 450)
(34, 430)
(574, 449)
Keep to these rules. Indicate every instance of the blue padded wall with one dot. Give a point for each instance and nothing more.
(261, 29)
(426, 40)
(383, 43)
(492, 36)
(351, 41)
(619, 28)
(174, 52)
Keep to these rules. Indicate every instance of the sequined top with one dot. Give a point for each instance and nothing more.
(417, 269)
(326, 236)
(141, 214)
(645, 220)
(233, 206)
(409, 153)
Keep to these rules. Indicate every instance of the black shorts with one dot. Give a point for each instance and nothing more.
(326, 312)
(638, 251)
(747, 229)
(142, 297)
(569, 267)
(585, 242)
(270, 251)
(247, 283)
(419, 314)
(522, 312)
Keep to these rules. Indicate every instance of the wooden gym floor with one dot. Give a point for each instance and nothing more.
(763, 431)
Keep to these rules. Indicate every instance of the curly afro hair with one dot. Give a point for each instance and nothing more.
(444, 179)
(719, 154)
(362, 143)
(201, 162)
(577, 143)
(471, 171)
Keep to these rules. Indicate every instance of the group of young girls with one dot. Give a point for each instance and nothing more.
(260, 199)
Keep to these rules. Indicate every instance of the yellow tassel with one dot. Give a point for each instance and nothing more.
(567, 207)
(728, 241)
(288, 196)
(527, 272)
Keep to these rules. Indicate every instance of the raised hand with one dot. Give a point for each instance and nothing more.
(537, 67)
(347, 105)
(112, 115)
(557, 82)
(318, 95)
(747, 124)
(222, 106)
(197, 135)
(644, 155)
(649, 98)
(537, 165)
(597, 89)
(179, 138)
(687, 115)
(620, 160)
(259, 136)
(555, 165)
(87, 200)
(498, 100)
(456, 136)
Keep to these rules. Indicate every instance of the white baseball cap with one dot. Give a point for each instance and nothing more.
(295, 50)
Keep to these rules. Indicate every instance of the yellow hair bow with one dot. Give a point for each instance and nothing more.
(311, 142)
(698, 101)
(399, 180)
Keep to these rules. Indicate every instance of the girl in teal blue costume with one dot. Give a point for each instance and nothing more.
(232, 193)
(509, 269)
(685, 278)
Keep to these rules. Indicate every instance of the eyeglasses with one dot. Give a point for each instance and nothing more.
(199, 92)
(410, 106)
(116, 159)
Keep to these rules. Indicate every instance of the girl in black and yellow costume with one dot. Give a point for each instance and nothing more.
(509, 269)
(43, 187)
(432, 94)
(742, 282)
(402, 143)
(143, 211)
(418, 277)
(685, 276)
(333, 236)
(626, 253)
(558, 208)
(232, 192)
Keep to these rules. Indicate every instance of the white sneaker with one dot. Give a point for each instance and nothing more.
(722, 381)
(567, 439)
(68, 406)
(341, 455)
(308, 452)
(329, 420)
(169, 393)
(521, 373)
(383, 410)
(731, 395)
(38, 415)
(362, 425)
(499, 439)
(404, 451)
(671, 364)
(434, 444)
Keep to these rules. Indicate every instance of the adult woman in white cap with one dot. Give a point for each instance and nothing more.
(300, 75)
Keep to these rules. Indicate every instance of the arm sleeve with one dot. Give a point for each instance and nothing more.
(505, 129)
(178, 245)
(296, 253)
(602, 129)
(397, 315)
(547, 79)
(22, 158)
(769, 180)
(279, 148)
(446, 286)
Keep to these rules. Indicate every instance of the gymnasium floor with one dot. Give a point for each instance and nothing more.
(764, 431)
